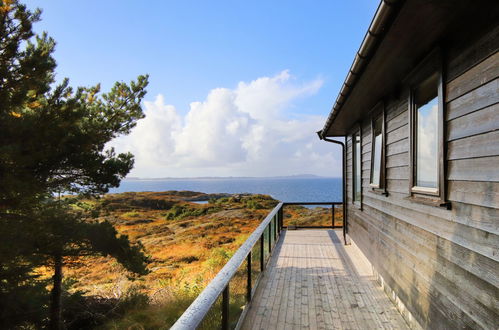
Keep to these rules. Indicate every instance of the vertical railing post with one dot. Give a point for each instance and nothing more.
(275, 228)
(225, 308)
(277, 225)
(248, 283)
(262, 257)
(281, 220)
(270, 238)
(271, 230)
(332, 210)
(274, 225)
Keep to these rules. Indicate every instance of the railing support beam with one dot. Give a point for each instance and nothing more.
(280, 218)
(225, 308)
(332, 211)
(262, 252)
(275, 228)
(270, 238)
(248, 283)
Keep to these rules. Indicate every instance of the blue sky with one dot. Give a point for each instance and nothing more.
(245, 54)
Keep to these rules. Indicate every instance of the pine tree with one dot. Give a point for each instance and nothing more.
(65, 234)
(52, 140)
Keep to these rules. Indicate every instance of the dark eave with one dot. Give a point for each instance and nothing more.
(400, 35)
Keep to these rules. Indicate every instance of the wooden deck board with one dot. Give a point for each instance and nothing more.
(313, 281)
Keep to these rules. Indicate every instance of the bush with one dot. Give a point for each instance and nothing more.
(131, 214)
(155, 204)
(218, 258)
(17, 312)
(179, 212)
(253, 205)
(132, 299)
(137, 314)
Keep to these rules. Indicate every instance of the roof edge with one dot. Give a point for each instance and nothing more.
(384, 14)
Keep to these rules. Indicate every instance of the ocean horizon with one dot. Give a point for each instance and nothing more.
(286, 189)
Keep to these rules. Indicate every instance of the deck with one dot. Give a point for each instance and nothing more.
(313, 281)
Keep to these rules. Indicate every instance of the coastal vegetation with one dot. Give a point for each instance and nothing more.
(186, 241)
(187, 236)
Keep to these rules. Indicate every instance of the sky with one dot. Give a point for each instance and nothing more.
(237, 88)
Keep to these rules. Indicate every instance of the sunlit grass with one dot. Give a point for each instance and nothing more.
(187, 243)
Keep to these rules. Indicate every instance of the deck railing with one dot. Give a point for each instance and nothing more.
(334, 217)
(222, 304)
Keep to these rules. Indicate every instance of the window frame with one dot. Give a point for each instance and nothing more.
(357, 131)
(377, 113)
(431, 65)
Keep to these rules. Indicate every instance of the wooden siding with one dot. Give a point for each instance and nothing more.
(442, 264)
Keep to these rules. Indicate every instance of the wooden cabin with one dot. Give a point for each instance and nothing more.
(419, 113)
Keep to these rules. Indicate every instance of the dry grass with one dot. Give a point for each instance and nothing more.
(181, 245)
(318, 216)
(188, 244)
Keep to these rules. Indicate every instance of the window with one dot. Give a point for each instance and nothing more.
(426, 135)
(426, 138)
(377, 152)
(357, 167)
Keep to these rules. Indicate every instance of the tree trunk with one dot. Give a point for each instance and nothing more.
(55, 295)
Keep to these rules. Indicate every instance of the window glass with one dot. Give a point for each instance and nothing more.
(376, 156)
(427, 136)
(426, 174)
(357, 168)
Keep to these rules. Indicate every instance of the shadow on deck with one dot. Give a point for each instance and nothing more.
(314, 281)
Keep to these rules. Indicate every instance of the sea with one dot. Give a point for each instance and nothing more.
(310, 189)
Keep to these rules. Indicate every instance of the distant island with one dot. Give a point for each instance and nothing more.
(296, 176)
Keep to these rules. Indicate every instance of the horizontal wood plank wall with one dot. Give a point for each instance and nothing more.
(443, 264)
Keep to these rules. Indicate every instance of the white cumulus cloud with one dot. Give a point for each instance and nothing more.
(250, 130)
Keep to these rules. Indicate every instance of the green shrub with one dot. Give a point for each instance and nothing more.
(219, 257)
(253, 205)
(133, 299)
(179, 212)
(131, 214)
